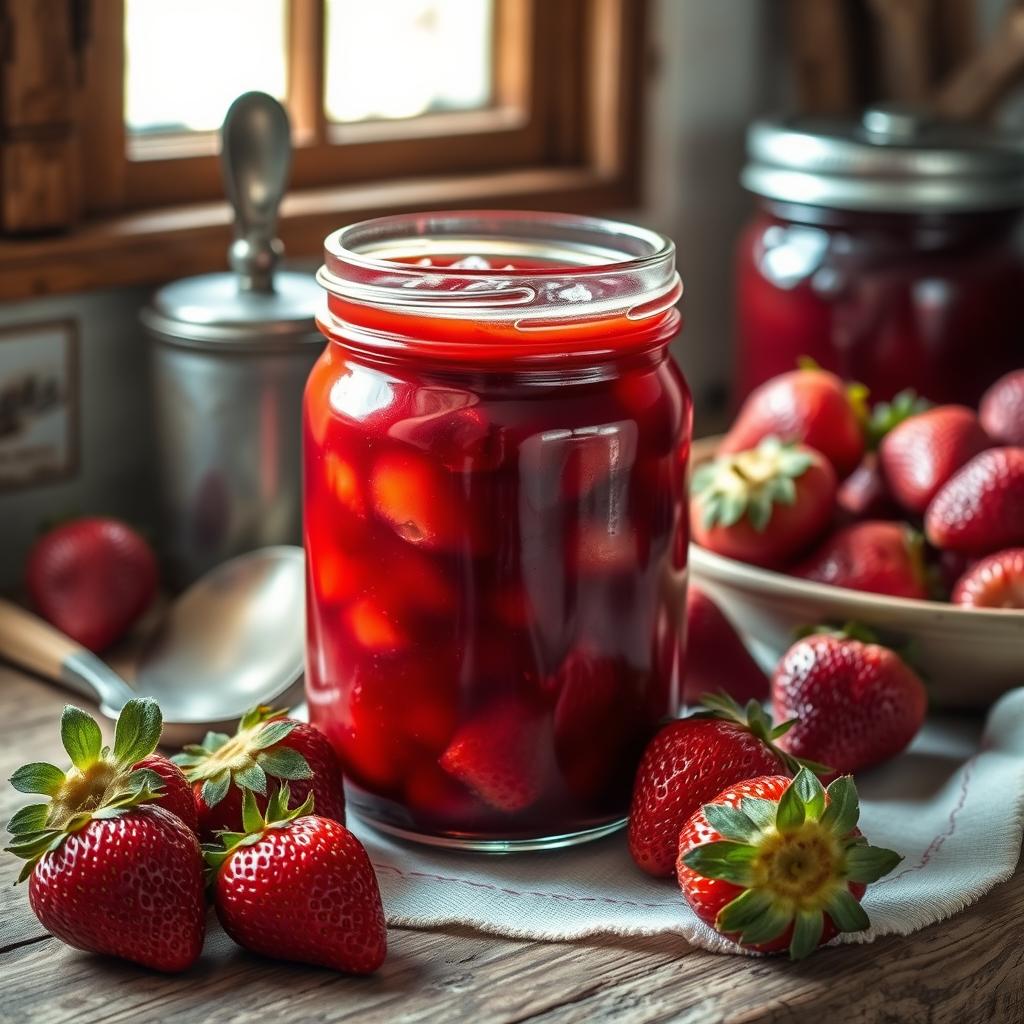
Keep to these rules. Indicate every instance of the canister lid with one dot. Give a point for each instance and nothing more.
(893, 159)
(214, 310)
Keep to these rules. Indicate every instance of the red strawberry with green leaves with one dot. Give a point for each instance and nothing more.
(687, 763)
(920, 454)
(716, 658)
(876, 556)
(808, 405)
(498, 754)
(294, 886)
(110, 870)
(266, 750)
(856, 703)
(996, 581)
(765, 505)
(980, 509)
(1002, 409)
(92, 578)
(777, 864)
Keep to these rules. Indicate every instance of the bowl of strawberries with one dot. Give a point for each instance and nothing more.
(905, 517)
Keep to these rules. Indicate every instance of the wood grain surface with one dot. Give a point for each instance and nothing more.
(967, 970)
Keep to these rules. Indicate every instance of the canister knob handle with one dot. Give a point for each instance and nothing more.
(256, 154)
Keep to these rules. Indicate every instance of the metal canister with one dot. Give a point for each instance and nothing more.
(231, 353)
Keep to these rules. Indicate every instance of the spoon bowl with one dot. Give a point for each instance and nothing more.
(234, 639)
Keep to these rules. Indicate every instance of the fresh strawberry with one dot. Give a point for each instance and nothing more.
(176, 793)
(855, 702)
(688, 762)
(295, 886)
(874, 556)
(91, 578)
(994, 582)
(808, 405)
(864, 493)
(266, 750)
(765, 505)
(110, 871)
(497, 755)
(1002, 409)
(716, 659)
(981, 507)
(779, 864)
(920, 454)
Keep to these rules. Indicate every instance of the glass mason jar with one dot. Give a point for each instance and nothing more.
(888, 251)
(496, 442)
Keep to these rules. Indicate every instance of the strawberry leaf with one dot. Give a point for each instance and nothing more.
(726, 861)
(38, 777)
(211, 741)
(137, 731)
(759, 810)
(80, 736)
(731, 823)
(791, 811)
(252, 820)
(187, 760)
(28, 819)
(251, 777)
(811, 793)
(846, 913)
(869, 863)
(807, 928)
(214, 790)
(285, 763)
(743, 911)
(843, 811)
(769, 925)
(271, 733)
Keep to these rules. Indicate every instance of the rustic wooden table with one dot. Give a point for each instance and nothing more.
(970, 969)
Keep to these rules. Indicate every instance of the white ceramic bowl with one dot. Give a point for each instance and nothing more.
(967, 656)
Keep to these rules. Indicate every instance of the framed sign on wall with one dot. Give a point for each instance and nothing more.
(38, 403)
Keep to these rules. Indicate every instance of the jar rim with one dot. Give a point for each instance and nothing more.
(557, 268)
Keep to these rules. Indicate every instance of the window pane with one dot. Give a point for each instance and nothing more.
(186, 60)
(400, 58)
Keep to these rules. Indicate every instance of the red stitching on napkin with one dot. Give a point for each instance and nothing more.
(937, 843)
(516, 892)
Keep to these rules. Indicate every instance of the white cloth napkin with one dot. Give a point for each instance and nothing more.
(953, 805)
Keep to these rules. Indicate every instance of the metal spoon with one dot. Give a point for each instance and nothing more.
(234, 639)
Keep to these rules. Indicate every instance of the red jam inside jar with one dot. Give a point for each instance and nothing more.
(890, 300)
(887, 249)
(496, 442)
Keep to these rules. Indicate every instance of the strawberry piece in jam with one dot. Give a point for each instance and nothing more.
(420, 502)
(498, 755)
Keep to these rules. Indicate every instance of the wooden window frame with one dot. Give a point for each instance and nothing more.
(563, 132)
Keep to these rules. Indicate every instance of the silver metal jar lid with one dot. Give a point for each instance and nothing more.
(255, 308)
(212, 310)
(892, 160)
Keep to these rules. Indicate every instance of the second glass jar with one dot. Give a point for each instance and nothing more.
(496, 444)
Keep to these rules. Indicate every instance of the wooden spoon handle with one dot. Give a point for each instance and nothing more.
(30, 642)
(33, 644)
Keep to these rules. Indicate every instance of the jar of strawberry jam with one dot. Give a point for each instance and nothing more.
(888, 250)
(496, 441)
